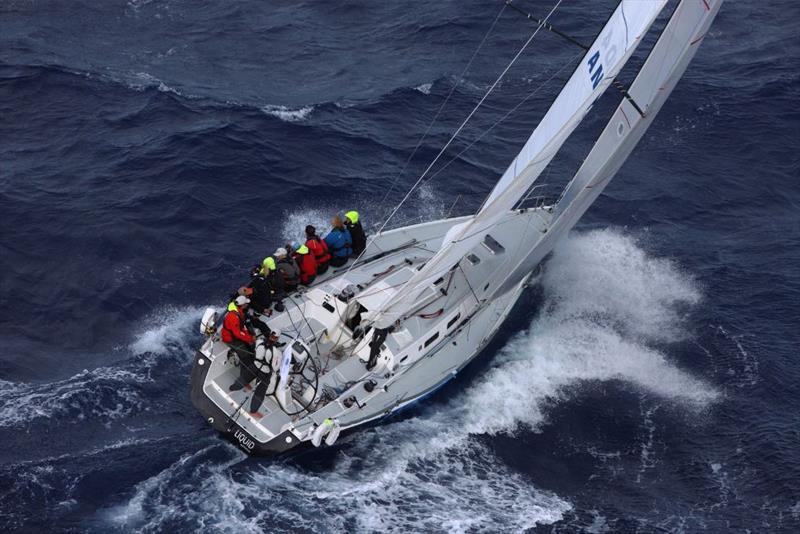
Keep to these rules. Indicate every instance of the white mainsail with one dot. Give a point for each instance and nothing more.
(606, 56)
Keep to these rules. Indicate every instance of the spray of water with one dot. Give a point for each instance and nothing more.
(607, 305)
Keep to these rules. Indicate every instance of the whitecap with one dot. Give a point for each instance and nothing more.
(288, 114)
(105, 393)
(424, 88)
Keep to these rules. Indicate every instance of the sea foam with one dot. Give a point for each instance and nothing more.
(606, 301)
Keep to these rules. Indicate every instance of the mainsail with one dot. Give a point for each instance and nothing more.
(605, 58)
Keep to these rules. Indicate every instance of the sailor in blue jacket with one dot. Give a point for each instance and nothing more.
(339, 243)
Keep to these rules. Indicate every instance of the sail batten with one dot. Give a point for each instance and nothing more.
(600, 65)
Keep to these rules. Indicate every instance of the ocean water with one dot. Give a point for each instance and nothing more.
(151, 151)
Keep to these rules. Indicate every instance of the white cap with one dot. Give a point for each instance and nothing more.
(241, 300)
(281, 252)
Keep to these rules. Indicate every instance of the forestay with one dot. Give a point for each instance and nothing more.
(606, 56)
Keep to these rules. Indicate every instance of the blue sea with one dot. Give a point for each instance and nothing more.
(152, 150)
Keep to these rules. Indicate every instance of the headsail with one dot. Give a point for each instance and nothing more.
(606, 56)
(664, 66)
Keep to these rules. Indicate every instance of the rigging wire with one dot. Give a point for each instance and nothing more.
(441, 108)
(471, 114)
(458, 130)
(547, 25)
(503, 118)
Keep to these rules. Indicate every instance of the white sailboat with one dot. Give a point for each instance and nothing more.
(422, 301)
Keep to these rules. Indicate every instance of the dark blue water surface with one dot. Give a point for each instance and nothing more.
(150, 151)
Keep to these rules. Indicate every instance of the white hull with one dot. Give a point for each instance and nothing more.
(454, 322)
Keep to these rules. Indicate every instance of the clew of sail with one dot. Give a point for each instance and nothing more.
(605, 58)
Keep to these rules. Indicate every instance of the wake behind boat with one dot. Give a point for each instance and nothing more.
(420, 302)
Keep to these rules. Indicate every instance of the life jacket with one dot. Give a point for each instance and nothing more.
(263, 357)
(320, 250)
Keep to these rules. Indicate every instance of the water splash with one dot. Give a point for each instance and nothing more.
(166, 329)
(606, 299)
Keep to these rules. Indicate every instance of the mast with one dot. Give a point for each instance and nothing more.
(601, 64)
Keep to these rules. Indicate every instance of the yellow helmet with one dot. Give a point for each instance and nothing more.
(269, 263)
(353, 216)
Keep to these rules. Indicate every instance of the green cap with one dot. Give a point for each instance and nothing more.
(352, 215)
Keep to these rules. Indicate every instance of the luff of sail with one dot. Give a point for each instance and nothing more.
(606, 56)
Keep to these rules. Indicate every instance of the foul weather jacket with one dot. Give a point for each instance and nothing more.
(291, 272)
(319, 249)
(233, 327)
(261, 299)
(308, 267)
(358, 237)
(340, 243)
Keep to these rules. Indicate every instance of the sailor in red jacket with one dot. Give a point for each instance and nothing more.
(241, 341)
(319, 248)
(307, 263)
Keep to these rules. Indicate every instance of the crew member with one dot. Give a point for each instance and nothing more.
(260, 300)
(308, 265)
(241, 341)
(277, 287)
(339, 243)
(356, 232)
(264, 367)
(286, 265)
(318, 248)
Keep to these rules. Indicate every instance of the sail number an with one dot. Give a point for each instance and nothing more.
(609, 56)
(595, 69)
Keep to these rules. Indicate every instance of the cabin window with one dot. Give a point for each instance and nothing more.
(491, 243)
(452, 321)
(328, 307)
(473, 259)
(431, 339)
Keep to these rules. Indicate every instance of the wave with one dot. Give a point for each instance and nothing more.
(105, 393)
(288, 114)
(605, 301)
